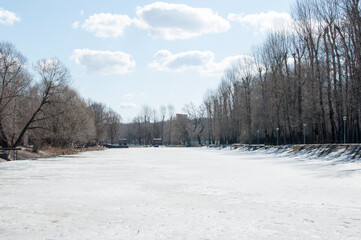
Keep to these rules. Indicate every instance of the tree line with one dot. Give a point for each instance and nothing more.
(301, 85)
(166, 124)
(48, 110)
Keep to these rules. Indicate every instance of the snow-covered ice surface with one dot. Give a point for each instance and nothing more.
(180, 193)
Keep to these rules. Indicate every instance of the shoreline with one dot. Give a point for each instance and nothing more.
(28, 154)
(351, 151)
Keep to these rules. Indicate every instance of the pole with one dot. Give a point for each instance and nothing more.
(304, 133)
(257, 137)
(344, 129)
(277, 129)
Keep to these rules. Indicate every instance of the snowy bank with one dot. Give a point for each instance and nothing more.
(344, 152)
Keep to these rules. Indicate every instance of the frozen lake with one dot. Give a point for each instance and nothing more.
(179, 193)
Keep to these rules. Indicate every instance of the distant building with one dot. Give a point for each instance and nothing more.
(123, 142)
(157, 142)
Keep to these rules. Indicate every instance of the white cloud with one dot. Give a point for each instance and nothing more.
(201, 61)
(106, 25)
(263, 21)
(218, 68)
(75, 25)
(81, 12)
(179, 21)
(7, 17)
(166, 61)
(104, 62)
(127, 105)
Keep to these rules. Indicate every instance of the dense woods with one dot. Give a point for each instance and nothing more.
(302, 85)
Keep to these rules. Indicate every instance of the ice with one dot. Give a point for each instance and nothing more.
(180, 193)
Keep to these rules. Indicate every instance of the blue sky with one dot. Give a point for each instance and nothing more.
(129, 53)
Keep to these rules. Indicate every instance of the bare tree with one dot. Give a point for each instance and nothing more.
(113, 125)
(14, 83)
(100, 117)
(163, 112)
(68, 122)
(196, 117)
(54, 82)
(183, 128)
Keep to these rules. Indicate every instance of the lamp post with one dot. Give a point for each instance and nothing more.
(344, 129)
(304, 133)
(257, 137)
(277, 129)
